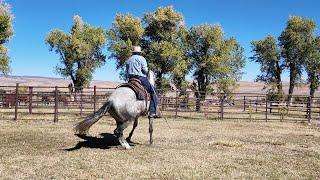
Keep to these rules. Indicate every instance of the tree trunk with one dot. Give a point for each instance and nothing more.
(312, 87)
(201, 94)
(312, 91)
(198, 101)
(279, 87)
(279, 83)
(77, 89)
(159, 83)
(291, 84)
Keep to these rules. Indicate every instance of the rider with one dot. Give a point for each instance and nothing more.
(136, 67)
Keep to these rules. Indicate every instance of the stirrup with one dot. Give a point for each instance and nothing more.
(154, 115)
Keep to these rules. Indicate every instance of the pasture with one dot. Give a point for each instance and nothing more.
(182, 149)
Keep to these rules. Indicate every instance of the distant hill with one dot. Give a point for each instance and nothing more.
(48, 81)
(244, 86)
(258, 87)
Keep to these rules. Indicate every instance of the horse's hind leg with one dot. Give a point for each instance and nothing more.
(116, 131)
(121, 139)
(135, 124)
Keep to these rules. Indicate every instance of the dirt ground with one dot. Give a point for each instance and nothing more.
(183, 149)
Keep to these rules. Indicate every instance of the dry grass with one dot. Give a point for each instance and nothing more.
(183, 149)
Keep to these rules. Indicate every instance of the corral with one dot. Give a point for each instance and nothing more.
(241, 136)
(183, 148)
(58, 102)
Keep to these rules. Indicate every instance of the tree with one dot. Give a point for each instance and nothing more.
(161, 35)
(205, 45)
(294, 41)
(230, 71)
(183, 65)
(126, 31)
(266, 52)
(6, 31)
(165, 46)
(80, 51)
(215, 60)
(312, 65)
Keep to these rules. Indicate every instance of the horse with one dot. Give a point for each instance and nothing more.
(124, 107)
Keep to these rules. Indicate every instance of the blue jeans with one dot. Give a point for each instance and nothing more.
(154, 97)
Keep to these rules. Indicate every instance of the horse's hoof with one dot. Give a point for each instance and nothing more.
(124, 144)
(126, 147)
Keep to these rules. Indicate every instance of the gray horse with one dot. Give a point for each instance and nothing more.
(124, 107)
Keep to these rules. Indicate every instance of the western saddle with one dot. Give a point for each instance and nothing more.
(141, 93)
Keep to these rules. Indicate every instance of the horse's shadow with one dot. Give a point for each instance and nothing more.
(107, 141)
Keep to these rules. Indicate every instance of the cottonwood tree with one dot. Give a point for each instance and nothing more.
(165, 45)
(160, 34)
(183, 66)
(215, 60)
(6, 31)
(80, 51)
(294, 42)
(312, 66)
(230, 70)
(126, 32)
(267, 53)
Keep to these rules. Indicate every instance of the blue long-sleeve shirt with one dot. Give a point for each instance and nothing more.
(136, 65)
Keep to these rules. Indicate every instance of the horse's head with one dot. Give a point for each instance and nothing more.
(151, 77)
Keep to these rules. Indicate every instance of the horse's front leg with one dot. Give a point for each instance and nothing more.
(151, 129)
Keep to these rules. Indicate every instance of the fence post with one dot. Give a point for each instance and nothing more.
(16, 102)
(266, 108)
(30, 99)
(244, 103)
(221, 106)
(176, 104)
(55, 105)
(94, 98)
(81, 99)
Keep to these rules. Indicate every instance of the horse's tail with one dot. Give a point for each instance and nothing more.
(83, 126)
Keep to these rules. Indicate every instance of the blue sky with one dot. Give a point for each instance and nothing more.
(246, 20)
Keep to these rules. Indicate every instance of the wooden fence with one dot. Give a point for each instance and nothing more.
(23, 102)
(45, 100)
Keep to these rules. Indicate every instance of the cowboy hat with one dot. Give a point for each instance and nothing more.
(136, 49)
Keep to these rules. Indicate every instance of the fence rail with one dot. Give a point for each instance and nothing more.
(22, 101)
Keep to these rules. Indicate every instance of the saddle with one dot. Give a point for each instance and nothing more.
(141, 93)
